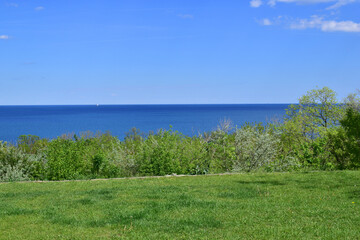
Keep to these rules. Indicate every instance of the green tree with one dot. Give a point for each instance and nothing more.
(307, 126)
(317, 111)
(353, 101)
(351, 125)
(345, 140)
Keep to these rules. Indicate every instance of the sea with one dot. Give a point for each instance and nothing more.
(190, 119)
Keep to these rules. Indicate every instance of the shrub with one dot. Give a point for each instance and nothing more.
(256, 147)
(97, 161)
(66, 159)
(118, 163)
(310, 137)
(14, 164)
(220, 149)
(31, 144)
(160, 154)
(13, 173)
(345, 142)
(283, 164)
(194, 157)
(351, 125)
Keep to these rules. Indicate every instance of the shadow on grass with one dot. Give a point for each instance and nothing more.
(206, 222)
(241, 193)
(268, 182)
(26, 195)
(113, 214)
(9, 210)
(354, 194)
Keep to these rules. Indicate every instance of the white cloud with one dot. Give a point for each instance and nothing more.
(326, 25)
(4, 37)
(343, 26)
(337, 3)
(340, 3)
(266, 22)
(40, 8)
(314, 22)
(256, 3)
(186, 16)
(12, 4)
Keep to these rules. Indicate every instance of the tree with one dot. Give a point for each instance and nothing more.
(353, 101)
(351, 124)
(317, 111)
(306, 127)
(345, 142)
(31, 143)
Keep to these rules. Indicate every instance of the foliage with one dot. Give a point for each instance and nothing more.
(31, 144)
(308, 129)
(353, 101)
(319, 133)
(64, 159)
(15, 165)
(220, 148)
(78, 157)
(256, 147)
(317, 111)
(338, 147)
(118, 163)
(10, 173)
(346, 141)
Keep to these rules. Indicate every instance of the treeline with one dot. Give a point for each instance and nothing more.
(319, 133)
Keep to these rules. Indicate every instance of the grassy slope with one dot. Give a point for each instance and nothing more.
(262, 206)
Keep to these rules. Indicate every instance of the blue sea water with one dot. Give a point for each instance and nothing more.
(53, 121)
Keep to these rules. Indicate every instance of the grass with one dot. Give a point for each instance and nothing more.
(316, 205)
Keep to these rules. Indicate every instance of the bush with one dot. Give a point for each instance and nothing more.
(311, 137)
(256, 147)
(160, 154)
(14, 164)
(67, 159)
(118, 163)
(194, 156)
(13, 173)
(284, 164)
(31, 144)
(311, 149)
(220, 150)
(345, 142)
(351, 125)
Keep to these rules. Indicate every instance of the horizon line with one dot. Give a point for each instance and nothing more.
(140, 104)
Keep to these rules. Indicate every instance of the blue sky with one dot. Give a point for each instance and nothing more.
(158, 52)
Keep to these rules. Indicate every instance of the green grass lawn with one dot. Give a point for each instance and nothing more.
(316, 205)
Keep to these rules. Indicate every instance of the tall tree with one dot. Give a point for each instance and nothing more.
(317, 111)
